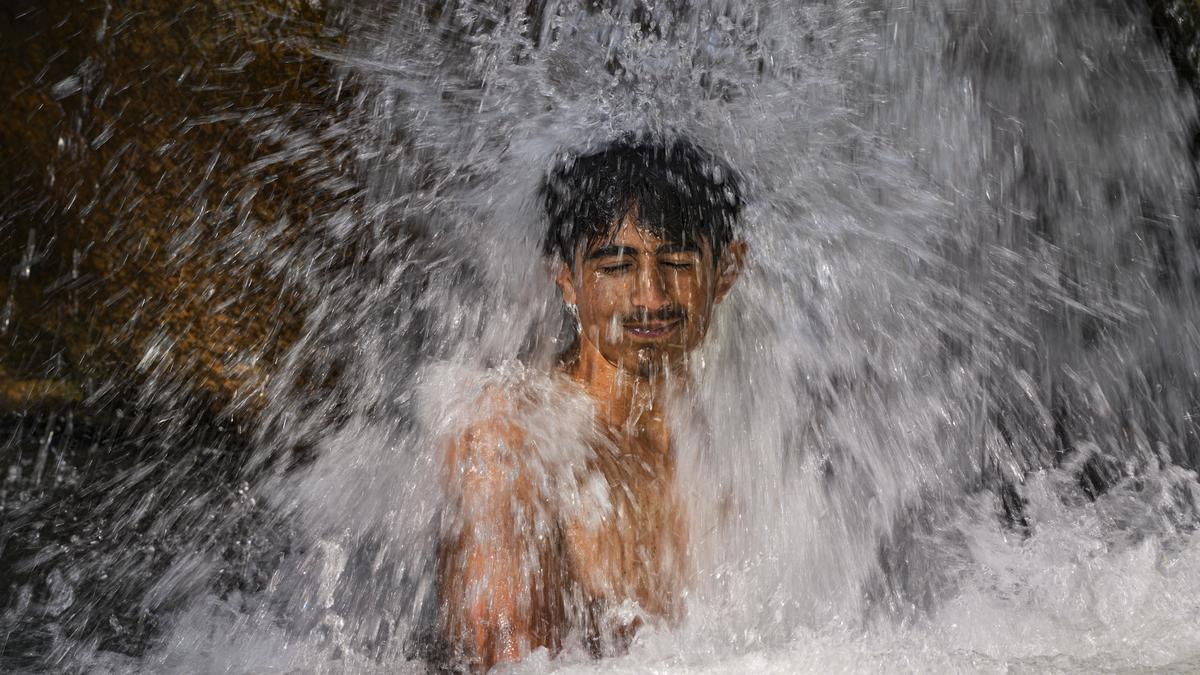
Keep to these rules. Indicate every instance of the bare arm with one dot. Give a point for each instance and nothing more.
(500, 594)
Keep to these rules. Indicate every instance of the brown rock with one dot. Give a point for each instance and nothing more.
(161, 159)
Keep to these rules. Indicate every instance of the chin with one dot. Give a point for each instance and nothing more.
(652, 363)
(648, 369)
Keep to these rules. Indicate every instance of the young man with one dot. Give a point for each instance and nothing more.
(642, 238)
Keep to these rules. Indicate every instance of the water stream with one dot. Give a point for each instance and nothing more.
(945, 420)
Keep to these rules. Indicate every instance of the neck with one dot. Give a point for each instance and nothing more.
(625, 399)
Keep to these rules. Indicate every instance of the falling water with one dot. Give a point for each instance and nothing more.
(944, 420)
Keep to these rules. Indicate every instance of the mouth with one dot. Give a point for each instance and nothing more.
(652, 330)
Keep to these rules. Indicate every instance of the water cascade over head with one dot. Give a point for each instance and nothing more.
(944, 417)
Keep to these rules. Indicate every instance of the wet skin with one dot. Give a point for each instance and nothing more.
(643, 305)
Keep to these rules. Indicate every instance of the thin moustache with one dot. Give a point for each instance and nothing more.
(661, 316)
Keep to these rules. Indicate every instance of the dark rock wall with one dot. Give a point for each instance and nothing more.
(152, 182)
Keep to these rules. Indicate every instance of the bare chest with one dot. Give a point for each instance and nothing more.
(634, 550)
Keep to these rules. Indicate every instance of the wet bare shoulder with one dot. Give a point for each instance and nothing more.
(491, 447)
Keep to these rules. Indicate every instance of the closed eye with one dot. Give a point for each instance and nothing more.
(615, 268)
(678, 264)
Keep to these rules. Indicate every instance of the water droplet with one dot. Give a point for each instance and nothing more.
(65, 87)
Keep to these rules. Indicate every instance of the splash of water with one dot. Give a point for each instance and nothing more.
(969, 226)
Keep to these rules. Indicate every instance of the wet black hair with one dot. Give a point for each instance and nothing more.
(681, 193)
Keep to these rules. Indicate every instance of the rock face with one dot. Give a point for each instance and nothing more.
(161, 162)
(164, 165)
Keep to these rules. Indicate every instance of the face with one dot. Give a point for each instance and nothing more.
(643, 302)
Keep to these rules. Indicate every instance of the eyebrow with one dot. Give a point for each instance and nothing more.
(612, 251)
(617, 251)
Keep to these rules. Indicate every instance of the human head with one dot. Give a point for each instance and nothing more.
(643, 236)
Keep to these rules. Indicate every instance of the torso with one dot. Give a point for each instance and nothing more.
(630, 567)
(621, 525)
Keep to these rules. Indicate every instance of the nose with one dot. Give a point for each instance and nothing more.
(650, 295)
